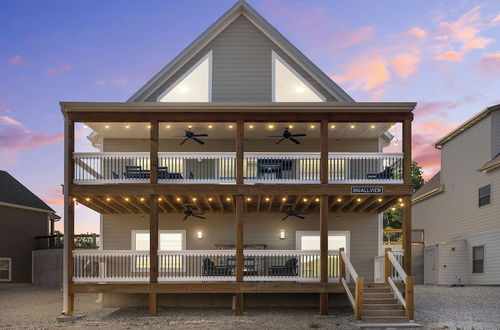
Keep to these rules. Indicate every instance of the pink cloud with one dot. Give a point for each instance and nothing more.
(15, 137)
(433, 109)
(363, 34)
(117, 81)
(54, 71)
(405, 64)
(369, 72)
(18, 61)
(489, 64)
(417, 32)
(496, 20)
(53, 196)
(459, 37)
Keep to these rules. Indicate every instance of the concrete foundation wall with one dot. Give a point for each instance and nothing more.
(223, 300)
(48, 267)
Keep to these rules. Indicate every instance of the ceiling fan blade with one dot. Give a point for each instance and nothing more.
(178, 136)
(200, 134)
(298, 134)
(280, 141)
(185, 217)
(284, 218)
(183, 141)
(199, 216)
(294, 140)
(198, 140)
(275, 136)
(299, 216)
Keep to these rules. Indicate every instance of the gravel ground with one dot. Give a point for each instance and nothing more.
(28, 307)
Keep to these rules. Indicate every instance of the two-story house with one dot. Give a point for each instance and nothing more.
(240, 172)
(458, 208)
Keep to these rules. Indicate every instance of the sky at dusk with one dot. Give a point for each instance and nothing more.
(445, 55)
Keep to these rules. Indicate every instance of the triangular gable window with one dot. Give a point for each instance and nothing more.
(289, 86)
(193, 86)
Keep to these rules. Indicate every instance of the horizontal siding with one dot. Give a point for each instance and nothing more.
(451, 267)
(253, 145)
(218, 229)
(455, 212)
(495, 133)
(241, 65)
(491, 242)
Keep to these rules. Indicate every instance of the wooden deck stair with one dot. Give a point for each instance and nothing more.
(380, 305)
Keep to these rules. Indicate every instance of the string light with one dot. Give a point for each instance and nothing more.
(400, 199)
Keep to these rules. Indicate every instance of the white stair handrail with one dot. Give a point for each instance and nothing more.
(397, 266)
(349, 266)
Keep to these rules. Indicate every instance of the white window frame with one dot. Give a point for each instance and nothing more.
(188, 72)
(484, 259)
(346, 233)
(10, 270)
(275, 56)
(145, 231)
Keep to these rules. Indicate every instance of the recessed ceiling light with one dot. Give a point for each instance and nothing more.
(359, 200)
(178, 199)
(230, 126)
(127, 126)
(290, 126)
(250, 126)
(271, 126)
(142, 199)
(168, 126)
(159, 199)
(268, 199)
(190, 126)
(87, 199)
(380, 199)
(339, 199)
(210, 199)
(305, 200)
(312, 126)
(333, 126)
(126, 199)
(372, 126)
(108, 199)
(284, 199)
(317, 199)
(106, 126)
(228, 199)
(210, 126)
(194, 199)
(353, 126)
(249, 199)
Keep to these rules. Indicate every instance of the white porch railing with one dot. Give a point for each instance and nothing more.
(202, 265)
(110, 266)
(220, 167)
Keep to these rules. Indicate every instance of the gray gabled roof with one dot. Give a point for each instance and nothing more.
(14, 192)
(430, 188)
(240, 8)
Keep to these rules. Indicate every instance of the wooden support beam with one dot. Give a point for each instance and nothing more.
(323, 236)
(360, 283)
(390, 203)
(160, 204)
(240, 137)
(239, 251)
(153, 151)
(387, 201)
(369, 204)
(153, 304)
(69, 214)
(221, 204)
(130, 204)
(283, 202)
(270, 206)
(114, 205)
(153, 239)
(347, 200)
(171, 204)
(358, 200)
(407, 234)
(310, 199)
(229, 190)
(409, 297)
(94, 204)
(209, 204)
(367, 201)
(258, 203)
(324, 152)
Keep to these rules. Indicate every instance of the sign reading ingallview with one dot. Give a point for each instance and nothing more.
(367, 190)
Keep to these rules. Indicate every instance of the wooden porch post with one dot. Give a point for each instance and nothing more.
(153, 218)
(69, 216)
(387, 265)
(323, 218)
(239, 253)
(240, 134)
(407, 199)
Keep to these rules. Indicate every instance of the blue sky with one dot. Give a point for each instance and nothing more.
(444, 55)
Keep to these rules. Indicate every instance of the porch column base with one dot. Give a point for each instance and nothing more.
(323, 303)
(153, 304)
(71, 305)
(238, 304)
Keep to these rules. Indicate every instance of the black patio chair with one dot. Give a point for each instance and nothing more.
(386, 174)
(290, 268)
(210, 269)
(135, 172)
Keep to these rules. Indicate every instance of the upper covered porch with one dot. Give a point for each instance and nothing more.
(279, 143)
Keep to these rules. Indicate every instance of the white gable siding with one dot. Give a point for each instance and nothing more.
(455, 212)
(452, 267)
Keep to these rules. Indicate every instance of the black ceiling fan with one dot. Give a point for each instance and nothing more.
(188, 212)
(288, 135)
(292, 213)
(190, 135)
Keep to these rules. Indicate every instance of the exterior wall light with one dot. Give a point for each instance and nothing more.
(282, 234)
(199, 235)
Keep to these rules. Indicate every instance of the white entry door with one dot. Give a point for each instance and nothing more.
(430, 266)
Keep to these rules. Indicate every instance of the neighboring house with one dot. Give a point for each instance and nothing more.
(213, 133)
(23, 216)
(459, 208)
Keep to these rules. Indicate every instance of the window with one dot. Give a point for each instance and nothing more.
(5, 269)
(193, 86)
(478, 259)
(484, 195)
(289, 86)
(169, 240)
(309, 240)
